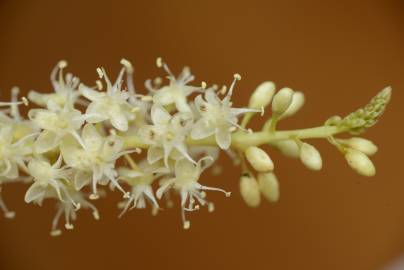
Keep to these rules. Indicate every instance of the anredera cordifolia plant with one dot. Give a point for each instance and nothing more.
(84, 137)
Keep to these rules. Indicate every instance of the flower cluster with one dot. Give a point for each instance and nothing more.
(81, 140)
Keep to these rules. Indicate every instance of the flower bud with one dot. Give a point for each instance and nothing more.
(365, 146)
(360, 162)
(310, 157)
(262, 95)
(259, 159)
(297, 103)
(289, 148)
(282, 100)
(269, 186)
(250, 191)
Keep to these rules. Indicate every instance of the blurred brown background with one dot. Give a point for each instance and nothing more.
(340, 53)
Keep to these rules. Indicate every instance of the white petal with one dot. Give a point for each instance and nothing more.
(223, 137)
(81, 179)
(159, 115)
(91, 138)
(154, 154)
(89, 93)
(119, 121)
(164, 96)
(46, 141)
(34, 192)
(202, 130)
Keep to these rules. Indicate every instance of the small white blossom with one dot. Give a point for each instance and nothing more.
(95, 160)
(167, 134)
(56, 123)
(111, 105)
(65, 88)
(141, 181)
(177, 91)
(186, 183)
(12, 154)
(217, 116)
(48, 178)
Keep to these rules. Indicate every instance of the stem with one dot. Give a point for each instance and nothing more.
(242, 140)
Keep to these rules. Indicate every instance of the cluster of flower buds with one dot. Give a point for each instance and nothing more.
(81, 140)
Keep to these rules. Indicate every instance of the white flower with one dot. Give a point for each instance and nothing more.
(56, 123)
(186, 183)
(48, 179)
(167, 133)
(140, 180)
(95, 160)
(217, 116)
(111, 105)
(65, 88)
(177, 91)
(12, 154)
(69, 210)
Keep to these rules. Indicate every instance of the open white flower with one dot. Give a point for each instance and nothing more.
(65, 88)
(95, 160)
(12, 154)
(186, 183)
(48, 178)
(177, 91)
(56, 123)
(111, 105)
(140, 180)
(167, 133)
(217, 116)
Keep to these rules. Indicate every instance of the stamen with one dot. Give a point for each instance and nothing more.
(7, 213)
(127, 65)
(159, 62)
(62, 64)
(203, 85)
(94, 196)
(100, 73)
(55, 233)
(211, 207)
(99, 85)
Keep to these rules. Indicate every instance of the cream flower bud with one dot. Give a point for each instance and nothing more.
(282, 100)
(250, 191)
(297, 103)
(262, 95)
(259, 159)
(365, 146)
(289, 148)
(360, 162)
(310, 157)
(269, 186)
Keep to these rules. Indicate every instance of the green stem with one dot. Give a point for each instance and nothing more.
(242, 140)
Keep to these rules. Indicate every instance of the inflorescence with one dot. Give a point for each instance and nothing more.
(85, 139)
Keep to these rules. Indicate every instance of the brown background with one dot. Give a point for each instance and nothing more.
(339, 53)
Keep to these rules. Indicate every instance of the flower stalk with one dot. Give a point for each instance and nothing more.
(81, 141)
